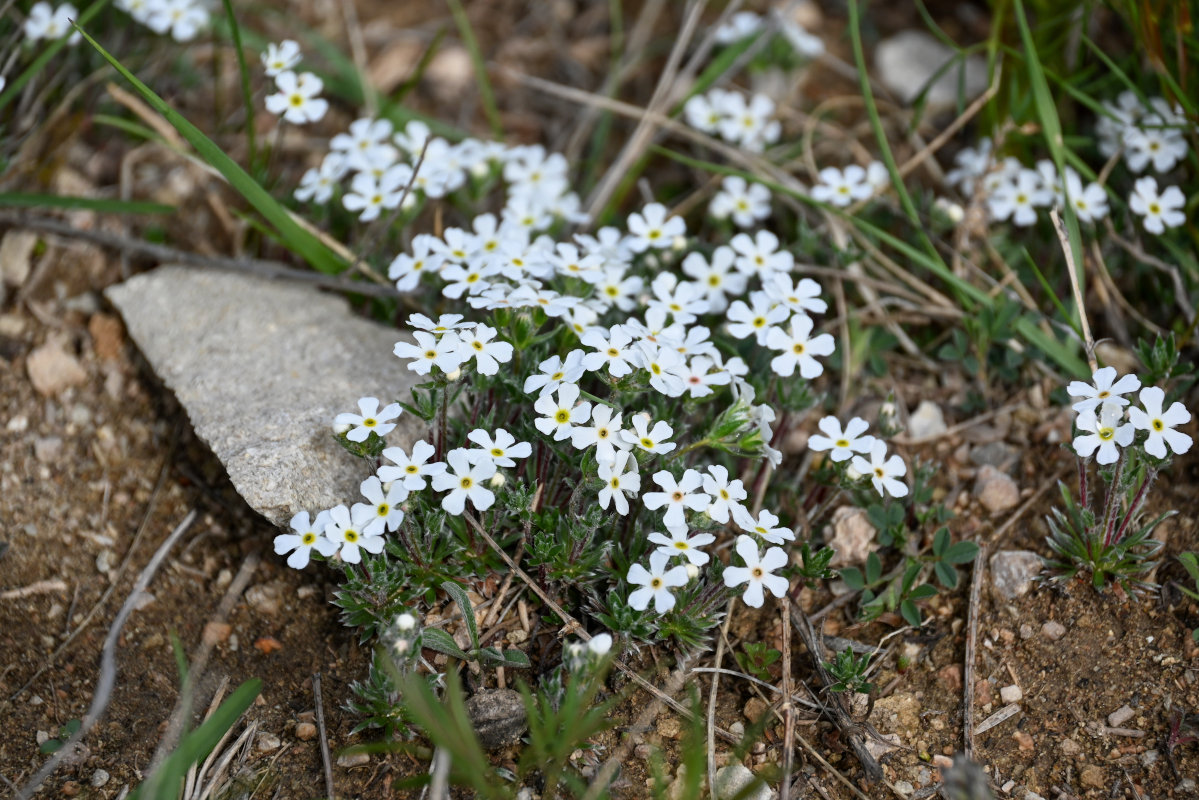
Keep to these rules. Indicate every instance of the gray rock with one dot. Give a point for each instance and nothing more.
(733, 779)
(1012, 572)
(1053, 630)
(262, 368)
(996, 490)
(351, 760)
(926, 421)
(99, 778)
(267, 742)
(1121, 715)
(853, 537)
(999, 455)
(906, 61)
(498, 716)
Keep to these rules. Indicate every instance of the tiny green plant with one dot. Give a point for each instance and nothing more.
(1190, 562)
(65, 732)
(849, 672)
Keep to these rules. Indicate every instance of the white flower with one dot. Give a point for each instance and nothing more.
(307, 537)
(656, 583)
(45, 22)
(183, 18)
(843, 443)
(664, 365)
(884, 472)
(406, 270)
(600, 644)
(555, 372)
(429, 351)
(682, 300)
(1160, 211)
(740, 26)
(698, 376)
(1163, 147)
(1103, 432)
(760, 255)
(748, 124)
(745, 321)
(465, 482)
(500, 450)
(297, 98)
(617, 481)
(370, 195)
(799, 297)
(488, 354)
(281, 57)
(370, 420)
(971, 164)
(603, 432)
(1019, 198)
(679, 544)
(716, 279)
(384, 512)
(1106, 389)
(746, 204)
(764, 526)
(676, 496)
(798, 348)
(1160, 424)
(611, 350)
(757, 572)
(653, 441)
(317, 183)
(1090, 203)
(805, 44)
(349, 533)
(705, 112)
(840, 188)
(614, 289)
(726, 495)
(444, 324)
(412, 470)
(561, 417)
(651, 228)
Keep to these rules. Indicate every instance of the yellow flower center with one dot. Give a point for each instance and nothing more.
(466, 482)
(351, 536)
(308, 538)
(562, 416)
(842, 443)
(1158, 425)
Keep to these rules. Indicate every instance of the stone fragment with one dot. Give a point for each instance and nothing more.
(267, 645)
(996, 490)
(898, 712)
(995, 454)
(853, 537)
(216, 632)
(498, 716)
(734, 781)
(52, 369)
(1121, 715)
(1012, 573)
(1070, 747)
(16, 256)
(926, 421)
(47, 449)
(1091, 776)
(1011, 694)
(1023, 741)
(99, 778)
(1053, 630)
(71, 788)
(755, 707)
(351, 760)
(669, 727)
(262, 368)
(265, 598)
(908, 60)
(904, 788)
(267, 742)
(878, 748)
(108, 336)
(305, 731)
(950, 677)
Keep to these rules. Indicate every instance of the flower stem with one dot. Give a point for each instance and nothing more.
(1084, 498)
(1113, 499)
(1137, 501)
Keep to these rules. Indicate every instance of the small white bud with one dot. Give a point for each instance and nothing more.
(679, 243)
(692, 572)
(340, 428)
(600, 644)
(950, 209)
(405, 622)
(497, 480)
(455, 375)
(401, 646)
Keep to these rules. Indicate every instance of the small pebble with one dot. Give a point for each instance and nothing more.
(1092, 776)
(267, 742)
(942, 762)
(905, 788)
(99, 778)
(1023, 740)
(42, 737)
(1011, 694)
(1053, 630)
(1007, 787)
(755, 708)
(216, 632)
(350, 760)
(1148, 758)
(1070, 747)
(1185, 786)
(267, 645)
(305, 731)
(1027, 631)
(669, 727)
(1121, 715)
(71, 788)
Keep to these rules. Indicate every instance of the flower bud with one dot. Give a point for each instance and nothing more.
(405, 622)
(497, 480)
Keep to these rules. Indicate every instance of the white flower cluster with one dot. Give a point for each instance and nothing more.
(1102, 430)
(1153, 134)
(182, 19)
(727, 114)
(842, 187)
(297, 99)
(745, 24)
(49, 22)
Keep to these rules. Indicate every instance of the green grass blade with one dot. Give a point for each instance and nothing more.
(44, 57)
(104, 205)
(876, 125)
(128, 126)
(298, 240)
(247, 93)
(715, 70)
(193, 748)
(1059, 351)
(486, 93)
(1052, 129)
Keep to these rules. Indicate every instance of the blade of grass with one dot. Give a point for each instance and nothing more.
(1049, 290)
(418, 72)
(298, 240)
(1052, 129)
(486, 94)
(876, 125)
(715, 70)
(247, 93)
(43, 58)
(20, 200)
(128, 126)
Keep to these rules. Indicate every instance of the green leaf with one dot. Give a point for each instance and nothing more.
(105, 205)
(961, 553)
(195, 747)
(295, 237)
(940, 541)
(442, 642)
(911, 614)
(946, 574)
(853, 578)
(874, 568)
(923, 592)
(468, 613)
(247, 93)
